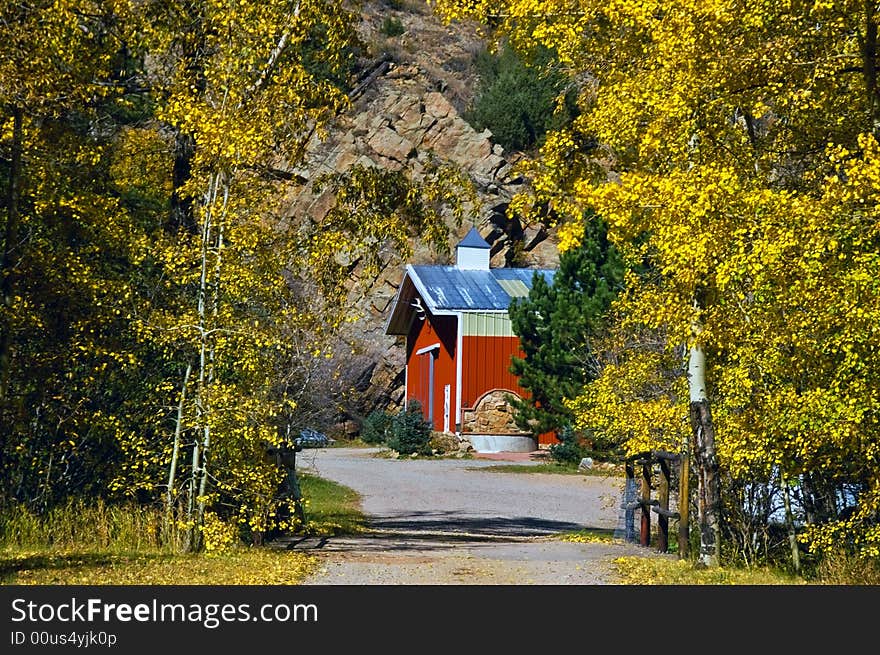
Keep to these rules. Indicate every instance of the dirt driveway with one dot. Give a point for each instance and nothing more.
(452, 521)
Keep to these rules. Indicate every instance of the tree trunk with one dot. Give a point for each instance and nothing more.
(869, 65)
(181, 217)
(206, 443)
(291, 485)
(199, 470)
(819, 499)
(193, 51)
(708, 483)
(296, 490)
(789, 524)
(10, 253)
(172, 467)
(684, 503)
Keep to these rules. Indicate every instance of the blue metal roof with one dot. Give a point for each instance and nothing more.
(473, 240)
(450, 288)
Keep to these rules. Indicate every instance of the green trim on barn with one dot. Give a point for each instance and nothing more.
(486, 324)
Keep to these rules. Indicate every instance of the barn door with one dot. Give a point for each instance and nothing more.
(427, 358)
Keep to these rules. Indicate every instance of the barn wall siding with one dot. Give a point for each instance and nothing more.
(485, 366)
(432, 330)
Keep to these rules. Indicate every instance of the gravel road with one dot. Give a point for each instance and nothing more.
(451, 521)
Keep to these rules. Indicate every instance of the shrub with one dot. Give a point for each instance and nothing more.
(572, 448)
(376, 428)
(517, 102)
(410, 432)
(219, 536)
(839, 567)
(392, 27)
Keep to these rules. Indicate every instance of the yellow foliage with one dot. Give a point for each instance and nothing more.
(219, 536)
(668, 571)
(234, 567)
(630, 403)
(739, 173)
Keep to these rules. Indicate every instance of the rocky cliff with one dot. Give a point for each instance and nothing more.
(408, 107)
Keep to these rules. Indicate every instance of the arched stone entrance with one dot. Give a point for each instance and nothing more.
(490, 427)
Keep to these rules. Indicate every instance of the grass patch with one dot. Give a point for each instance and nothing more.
(245, 566)
(392, 27)
(351, 443)
(591, 536)
(840, 568)
(661, 571)
(88, 527)
(331, 508)
(97, 544)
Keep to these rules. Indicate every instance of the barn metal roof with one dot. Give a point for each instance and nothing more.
(449, 289)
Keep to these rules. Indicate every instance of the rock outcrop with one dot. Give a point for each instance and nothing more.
(402, 116)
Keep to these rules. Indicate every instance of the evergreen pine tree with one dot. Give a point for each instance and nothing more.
(555, 324)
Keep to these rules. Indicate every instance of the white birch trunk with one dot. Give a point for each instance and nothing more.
(215, 306)
(175, 453)
(703, 431)
(199, 470)
(789, 524)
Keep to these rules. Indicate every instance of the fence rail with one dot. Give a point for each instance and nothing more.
(660, 505)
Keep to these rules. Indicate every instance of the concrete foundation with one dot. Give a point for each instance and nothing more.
(502, 443)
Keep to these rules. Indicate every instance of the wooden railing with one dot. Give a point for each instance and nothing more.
(660, 505)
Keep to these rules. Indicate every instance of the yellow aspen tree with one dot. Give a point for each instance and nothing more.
(732, 144)
(239, 92)
(64, 350)
(231, 83)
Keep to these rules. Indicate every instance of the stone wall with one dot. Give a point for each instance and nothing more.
(491, 415)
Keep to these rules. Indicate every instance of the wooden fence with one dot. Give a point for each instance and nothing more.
(659, 505)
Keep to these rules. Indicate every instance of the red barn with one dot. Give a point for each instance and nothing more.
(459, 342)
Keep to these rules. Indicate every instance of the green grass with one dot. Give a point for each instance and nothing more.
(93, 527)
(392, 27)
(331, 509)
(100, 544)
(670, 571)
(90, 544)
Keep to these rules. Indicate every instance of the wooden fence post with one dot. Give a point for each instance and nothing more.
(663, 515)
(684, 505)
(645, 530)
(628, 499)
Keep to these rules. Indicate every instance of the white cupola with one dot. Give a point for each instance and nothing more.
(472, 253)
